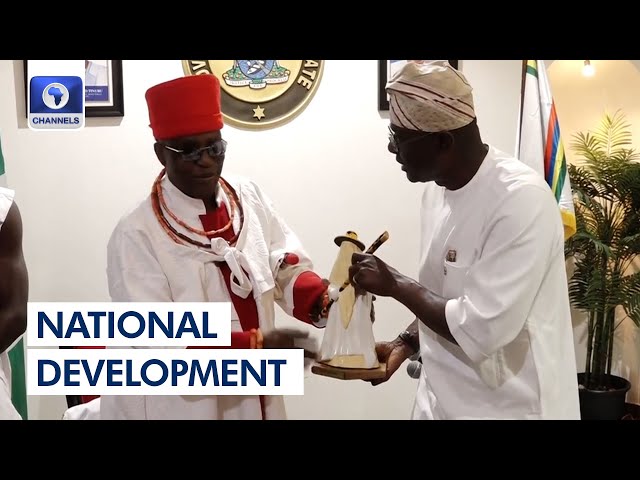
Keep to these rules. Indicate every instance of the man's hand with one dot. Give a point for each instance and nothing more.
(392, 353)
(316, 310)
(291, 338)
(367, 272)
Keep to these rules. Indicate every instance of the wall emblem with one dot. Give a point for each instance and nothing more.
(261, 94)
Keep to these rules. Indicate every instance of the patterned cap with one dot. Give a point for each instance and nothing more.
(430, 96)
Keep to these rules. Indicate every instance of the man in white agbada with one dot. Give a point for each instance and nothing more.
(201, 237)
(14, 289)
(493, 326)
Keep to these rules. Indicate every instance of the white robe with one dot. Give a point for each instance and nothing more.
(84, 411)
(508, 306)
(146, 265)
(7, 410)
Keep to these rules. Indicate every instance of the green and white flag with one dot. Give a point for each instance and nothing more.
(16, 353)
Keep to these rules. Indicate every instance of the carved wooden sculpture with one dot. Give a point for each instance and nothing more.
(348, 347)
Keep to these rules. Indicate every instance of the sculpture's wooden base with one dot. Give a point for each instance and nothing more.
(349, 373)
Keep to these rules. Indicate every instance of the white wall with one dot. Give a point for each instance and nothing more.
(328, 171)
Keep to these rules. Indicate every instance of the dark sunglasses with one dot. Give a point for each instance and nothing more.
(395, 143)
(215, 150)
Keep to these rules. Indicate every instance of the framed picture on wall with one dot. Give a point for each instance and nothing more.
(103, 87)
(386, 69)
(103, 95)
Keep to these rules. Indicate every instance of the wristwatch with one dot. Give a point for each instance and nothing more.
(411, 340)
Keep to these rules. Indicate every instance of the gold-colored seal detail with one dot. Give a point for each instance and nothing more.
(261, 94)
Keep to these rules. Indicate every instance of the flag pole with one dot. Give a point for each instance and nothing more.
(521, 107)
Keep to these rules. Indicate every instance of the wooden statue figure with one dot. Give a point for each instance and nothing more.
(348, 340)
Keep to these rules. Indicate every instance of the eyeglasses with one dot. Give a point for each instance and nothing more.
(215, 150)
(395, 143)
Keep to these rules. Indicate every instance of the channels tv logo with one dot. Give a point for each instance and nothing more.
(56, 103)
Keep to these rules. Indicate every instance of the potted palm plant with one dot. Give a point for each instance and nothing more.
(606, 191)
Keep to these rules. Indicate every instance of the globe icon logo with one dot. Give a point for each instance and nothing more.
(55, 96)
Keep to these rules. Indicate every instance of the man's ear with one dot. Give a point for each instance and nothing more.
(160, 150)
(445, 141)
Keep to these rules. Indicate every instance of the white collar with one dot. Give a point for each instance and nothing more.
(184, 206)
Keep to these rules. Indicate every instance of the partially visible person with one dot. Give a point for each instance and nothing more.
(85, 411)
(202, 237)
(14, 289)
(492, 316)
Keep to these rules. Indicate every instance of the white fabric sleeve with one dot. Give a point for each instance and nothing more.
(133, 272)
(284, 241)
(500, 287)
(6, 200)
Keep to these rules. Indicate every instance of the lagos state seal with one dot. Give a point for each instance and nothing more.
(261, 94)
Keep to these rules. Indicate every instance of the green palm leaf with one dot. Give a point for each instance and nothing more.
(606, 191)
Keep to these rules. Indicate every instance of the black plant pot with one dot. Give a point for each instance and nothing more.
(604, 405)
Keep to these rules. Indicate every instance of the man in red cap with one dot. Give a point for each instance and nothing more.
(201, 237)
